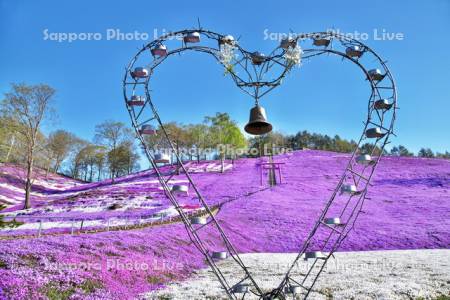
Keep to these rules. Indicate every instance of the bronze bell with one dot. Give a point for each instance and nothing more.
(258, 125)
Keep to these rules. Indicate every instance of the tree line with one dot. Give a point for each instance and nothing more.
(316, 141)
(113, 152)
(110, 154)
(23, 111)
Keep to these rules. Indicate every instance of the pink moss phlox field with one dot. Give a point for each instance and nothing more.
(406, 208)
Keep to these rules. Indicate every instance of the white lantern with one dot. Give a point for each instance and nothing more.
(241, 288)
(192, 37)
(219, 255)
(364, 159)
(382, 104)
(147, 129)
(198, 220)
(161, 158)
(354, 51)
(314, 255)
(258, 58)
(321, 41)
(288, 43)
(228, 39)
(136, 101)
(348, 189)
(159, 50)
(332, 221)
(375, 74)
(180, 189)
(139, 72)
(375, 133)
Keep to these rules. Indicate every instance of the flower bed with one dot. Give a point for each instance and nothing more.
(407, 208)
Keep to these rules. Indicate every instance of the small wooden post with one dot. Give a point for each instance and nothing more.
(81, 226)
(40, 228)
(107, 225)
(73, 228)
(261, 174)
(279, 173)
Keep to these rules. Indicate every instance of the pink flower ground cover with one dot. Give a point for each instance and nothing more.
(407, 208)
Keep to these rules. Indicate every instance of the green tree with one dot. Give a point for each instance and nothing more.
(3, 223)
(445, 155)
(89, 161)
(224, 132)
(426, 152)
(302, 140)
(371, 149)
(99, 160)
(403, 151)
(82, 162)
(112, 134)
(60, 143)
(123, 159)
(199, 136)
(179, 138)
(395, 151)
(8, 137)
(77, 158)
(269, 142)
(342, 145)
(235, 139)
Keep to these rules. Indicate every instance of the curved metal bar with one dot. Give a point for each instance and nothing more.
(354, 212)
(360, 179)
(193, 235)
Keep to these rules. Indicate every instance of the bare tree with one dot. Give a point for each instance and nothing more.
(30, 105)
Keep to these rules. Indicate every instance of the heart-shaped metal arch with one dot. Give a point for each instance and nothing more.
(353, 184)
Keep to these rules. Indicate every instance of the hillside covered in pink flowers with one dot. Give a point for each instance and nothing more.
(407, 208)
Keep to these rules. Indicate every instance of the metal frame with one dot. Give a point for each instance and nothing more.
(254, 83)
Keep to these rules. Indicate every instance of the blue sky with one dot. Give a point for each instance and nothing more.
(326, 96)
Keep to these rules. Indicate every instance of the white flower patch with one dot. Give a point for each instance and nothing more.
(293, 55)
